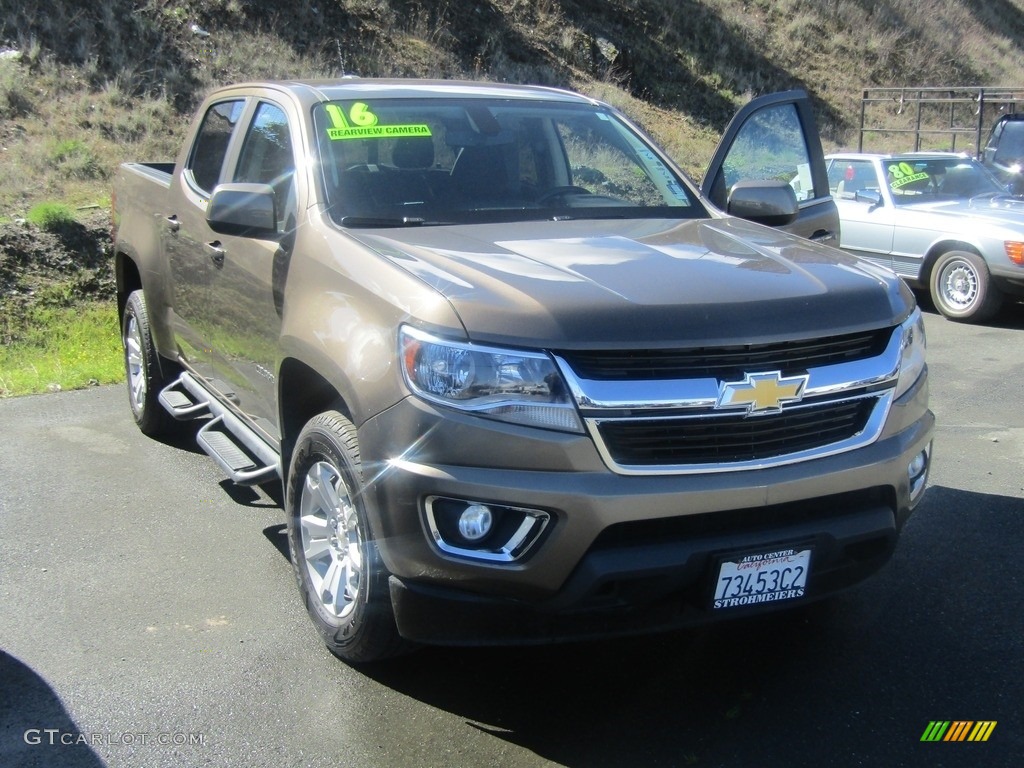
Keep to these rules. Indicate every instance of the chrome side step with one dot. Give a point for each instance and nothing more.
(181, 403)
(241, 453)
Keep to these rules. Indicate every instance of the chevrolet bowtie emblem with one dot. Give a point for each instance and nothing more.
(761, 392)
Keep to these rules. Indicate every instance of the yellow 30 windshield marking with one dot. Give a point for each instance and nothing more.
(361, 123)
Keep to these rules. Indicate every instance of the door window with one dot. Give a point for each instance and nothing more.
(211, 145)
(267, 158)
(848, 177)
(770, 147)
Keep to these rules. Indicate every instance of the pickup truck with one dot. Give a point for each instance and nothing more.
(519, 378)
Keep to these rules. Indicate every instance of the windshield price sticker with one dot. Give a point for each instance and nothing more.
(361, 123)
(903, 174)
(768, 577)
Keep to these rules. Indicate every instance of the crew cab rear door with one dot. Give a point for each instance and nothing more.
(775, 138)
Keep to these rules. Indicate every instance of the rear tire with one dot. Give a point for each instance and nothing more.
(961, 287)
(341, 578)
(147, 373)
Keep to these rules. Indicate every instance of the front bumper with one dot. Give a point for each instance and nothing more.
(622, 554)
(645, 587)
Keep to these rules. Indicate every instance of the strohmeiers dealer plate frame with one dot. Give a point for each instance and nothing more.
(756, 578)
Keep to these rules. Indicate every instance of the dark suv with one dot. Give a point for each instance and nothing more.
(1004, 151)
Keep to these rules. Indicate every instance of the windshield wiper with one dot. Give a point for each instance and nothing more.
(382, 221)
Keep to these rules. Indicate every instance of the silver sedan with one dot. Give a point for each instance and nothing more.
(939, 220)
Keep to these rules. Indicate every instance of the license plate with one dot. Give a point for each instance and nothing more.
(763, 577)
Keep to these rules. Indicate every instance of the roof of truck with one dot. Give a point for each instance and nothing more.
(313, 91)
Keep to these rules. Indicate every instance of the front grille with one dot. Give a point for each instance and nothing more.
(733, 438)
(726, 363)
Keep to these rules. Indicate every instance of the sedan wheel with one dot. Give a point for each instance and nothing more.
(962, 288)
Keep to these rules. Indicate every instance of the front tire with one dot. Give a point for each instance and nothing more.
(962, 289)
(145, 371)
(341, 578)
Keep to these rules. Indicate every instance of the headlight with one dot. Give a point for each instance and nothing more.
(912, 362)
(505, 384)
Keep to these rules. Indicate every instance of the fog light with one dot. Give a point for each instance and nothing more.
(495, 533)
(475, 522)
(917, 473)
(916, 466)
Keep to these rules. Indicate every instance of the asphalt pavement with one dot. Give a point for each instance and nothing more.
(150, 618)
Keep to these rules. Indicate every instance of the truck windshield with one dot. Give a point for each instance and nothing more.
(423, 161)
(918, 180)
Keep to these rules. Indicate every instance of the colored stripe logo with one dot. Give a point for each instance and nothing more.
(959, 730)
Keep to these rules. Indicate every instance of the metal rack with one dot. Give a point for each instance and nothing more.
(945, 113)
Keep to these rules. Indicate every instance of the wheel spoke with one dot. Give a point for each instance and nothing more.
(134, 350)
(351, 582)
(315, 527)
(138, 385)
(355, 556)
(326, 476)
(353, 535)
(329, 587)
(134, 363)
(315, 539)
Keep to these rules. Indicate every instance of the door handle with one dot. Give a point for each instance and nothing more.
(822, 235)
(216, 251)
(172, 223)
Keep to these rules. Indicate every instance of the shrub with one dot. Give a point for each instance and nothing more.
(15, 99)
(51, 217)
(76, 160)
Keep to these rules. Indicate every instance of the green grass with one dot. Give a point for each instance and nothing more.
(50, 216)
(65, 347)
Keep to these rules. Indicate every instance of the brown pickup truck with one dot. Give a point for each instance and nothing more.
(521, 379)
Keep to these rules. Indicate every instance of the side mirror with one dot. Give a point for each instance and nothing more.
(248, 210)
(872, 196)
(766, 202)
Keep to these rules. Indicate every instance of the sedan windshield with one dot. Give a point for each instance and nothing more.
(918, 180)
(406, 162)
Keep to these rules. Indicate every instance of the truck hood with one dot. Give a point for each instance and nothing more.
(602, 284)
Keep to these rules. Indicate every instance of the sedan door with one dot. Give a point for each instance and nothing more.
(775, 138)
(868, 220)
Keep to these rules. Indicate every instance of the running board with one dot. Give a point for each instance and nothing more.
(181, 402)
(241, 453)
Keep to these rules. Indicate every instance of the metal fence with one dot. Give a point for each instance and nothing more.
(933, 118)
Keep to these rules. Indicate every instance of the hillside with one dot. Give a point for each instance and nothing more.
(85, 85)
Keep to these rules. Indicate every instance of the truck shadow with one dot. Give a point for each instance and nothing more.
(36, 729)
(854, 679)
